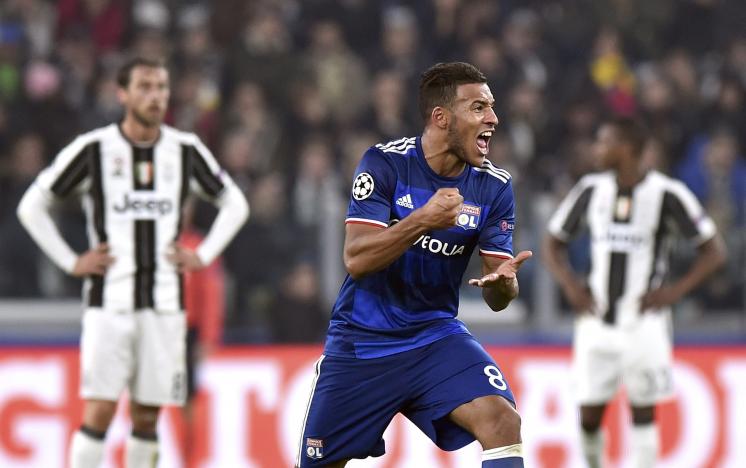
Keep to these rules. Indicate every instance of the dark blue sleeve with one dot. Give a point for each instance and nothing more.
(496, 238)
(372, 190)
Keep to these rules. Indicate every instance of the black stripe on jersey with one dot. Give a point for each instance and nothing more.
(673, 208)
(74, 173)
(617, 278)
(186, 170)
(209, 182)
(658, 245)
(145, 264)
(572, 223)
(143, 174)
(618, 262)
(96, 293)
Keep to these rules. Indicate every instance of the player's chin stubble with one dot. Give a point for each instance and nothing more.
(145, 121)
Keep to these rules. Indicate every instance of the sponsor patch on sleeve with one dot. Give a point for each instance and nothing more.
(506, 226)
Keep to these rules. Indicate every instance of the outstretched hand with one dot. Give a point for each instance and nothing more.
(93, 262)
(184, 259)
(505, 274)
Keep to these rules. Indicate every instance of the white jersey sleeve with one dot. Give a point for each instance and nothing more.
(570, 216)
(69, 174)
(682, 209)
(34, 214)
(211, 182)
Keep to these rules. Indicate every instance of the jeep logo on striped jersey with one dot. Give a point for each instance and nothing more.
(143, 206)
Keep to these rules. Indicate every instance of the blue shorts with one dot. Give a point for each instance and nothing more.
(354, 400)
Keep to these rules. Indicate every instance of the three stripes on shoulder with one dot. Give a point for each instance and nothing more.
(402, 145)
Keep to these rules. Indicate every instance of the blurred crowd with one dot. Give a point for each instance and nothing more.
(289, 93)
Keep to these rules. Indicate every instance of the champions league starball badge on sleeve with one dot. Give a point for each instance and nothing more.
(362, 187)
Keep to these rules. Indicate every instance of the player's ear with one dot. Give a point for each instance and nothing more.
(122, 95)
(440, 117)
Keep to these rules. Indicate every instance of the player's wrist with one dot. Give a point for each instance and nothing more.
(418, 221)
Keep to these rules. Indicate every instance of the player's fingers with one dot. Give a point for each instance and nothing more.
(447, 191)
(452, 202)
(522, 257)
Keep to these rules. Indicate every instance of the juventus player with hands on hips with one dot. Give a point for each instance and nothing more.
(132, 179)
(419, 208)
(622, 329)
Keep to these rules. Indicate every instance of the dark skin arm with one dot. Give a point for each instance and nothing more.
(710, 257)
(499, 282)
(577, 293)
(368, 249)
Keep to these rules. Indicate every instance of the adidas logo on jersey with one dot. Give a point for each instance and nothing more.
(405, 201)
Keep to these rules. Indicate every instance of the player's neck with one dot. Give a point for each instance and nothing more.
(138, 133)
(440, 158)
(629, 175)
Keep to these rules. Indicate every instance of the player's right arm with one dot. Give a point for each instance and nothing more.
(574, 289)
(565, 223)
(67, 175)
(369, 248)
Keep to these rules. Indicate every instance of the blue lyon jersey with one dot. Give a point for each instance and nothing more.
(414, 301)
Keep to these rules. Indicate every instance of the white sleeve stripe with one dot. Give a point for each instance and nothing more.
(366, 221)
(494, 253)
(400, 151)
(488, 165)
(396, 144)
(492, 173)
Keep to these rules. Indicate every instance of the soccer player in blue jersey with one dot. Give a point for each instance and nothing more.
(419, 208)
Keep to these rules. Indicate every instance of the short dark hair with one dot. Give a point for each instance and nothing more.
(125, 71)
(438, 84)
(630, 131)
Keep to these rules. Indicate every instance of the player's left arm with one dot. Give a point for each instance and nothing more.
(710, 257)
(499, 282)
(215, 185)
(682, 209)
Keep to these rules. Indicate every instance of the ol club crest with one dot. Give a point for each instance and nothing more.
(468, 218)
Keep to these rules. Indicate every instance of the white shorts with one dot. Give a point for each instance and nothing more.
(143, 351)
(639, 357)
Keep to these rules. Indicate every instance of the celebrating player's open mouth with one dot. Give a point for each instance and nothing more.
(483, 142)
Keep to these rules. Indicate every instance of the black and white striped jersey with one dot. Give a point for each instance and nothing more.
(132, 196)
(631, 232)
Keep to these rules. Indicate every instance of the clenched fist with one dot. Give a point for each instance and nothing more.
(441, 211)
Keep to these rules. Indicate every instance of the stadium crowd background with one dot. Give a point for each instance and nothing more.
(288, 94)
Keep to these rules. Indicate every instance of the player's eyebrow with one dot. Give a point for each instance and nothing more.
(483, 102)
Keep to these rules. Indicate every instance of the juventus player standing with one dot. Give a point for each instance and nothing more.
(132, 178)
(622, 328)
